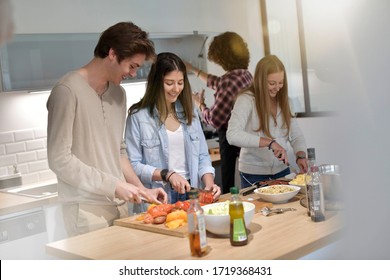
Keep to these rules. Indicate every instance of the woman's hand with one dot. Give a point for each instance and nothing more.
(208, 182)
(215, 190)
(279, 152)
(178, 183)
(302, 164)
(198, 98)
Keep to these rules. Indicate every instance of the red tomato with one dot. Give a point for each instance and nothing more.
(186, 205)
(206, 197)
(179, 205)
(148, 219)
(167, 207)
(157, 211)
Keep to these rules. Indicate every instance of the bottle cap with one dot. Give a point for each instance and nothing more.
(234, 190)
(311, 153)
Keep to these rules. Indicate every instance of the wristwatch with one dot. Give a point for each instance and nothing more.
(164, 174)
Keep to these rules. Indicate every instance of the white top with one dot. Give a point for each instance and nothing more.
(177, 157)
(242, 133)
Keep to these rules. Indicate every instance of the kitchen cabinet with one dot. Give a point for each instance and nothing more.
(21, 230)
(25, 227)
(34, 62)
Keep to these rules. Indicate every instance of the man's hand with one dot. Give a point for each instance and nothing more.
(131, 193)
(157, 196)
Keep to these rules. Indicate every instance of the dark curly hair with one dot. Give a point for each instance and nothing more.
(229, 51)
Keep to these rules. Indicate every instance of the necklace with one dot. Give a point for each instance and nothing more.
(275, 122)
(275, 106)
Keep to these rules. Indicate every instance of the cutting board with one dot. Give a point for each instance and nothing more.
(131, 222)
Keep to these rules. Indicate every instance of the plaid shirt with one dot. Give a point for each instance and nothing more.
(226, 89)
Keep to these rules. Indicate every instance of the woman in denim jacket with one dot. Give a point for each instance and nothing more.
(164, 136)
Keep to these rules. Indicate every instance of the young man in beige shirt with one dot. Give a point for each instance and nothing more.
(86, 150)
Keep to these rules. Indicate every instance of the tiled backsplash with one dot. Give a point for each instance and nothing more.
(25, 149)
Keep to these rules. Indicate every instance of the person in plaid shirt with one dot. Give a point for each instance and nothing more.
(229, 51)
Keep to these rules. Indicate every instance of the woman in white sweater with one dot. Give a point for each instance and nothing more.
(263, 123)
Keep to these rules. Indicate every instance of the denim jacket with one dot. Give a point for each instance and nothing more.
(147, 147)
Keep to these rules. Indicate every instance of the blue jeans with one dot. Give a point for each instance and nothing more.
(250, 179)
(175, 196)
(229, 154)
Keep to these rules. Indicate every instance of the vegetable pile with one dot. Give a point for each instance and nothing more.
(172, 215)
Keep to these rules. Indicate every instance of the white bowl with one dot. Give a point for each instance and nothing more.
(277, 197)
(302, 187)
(220, 224)
(299, 181)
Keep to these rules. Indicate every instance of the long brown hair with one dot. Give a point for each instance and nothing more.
(268, 65)
(155, 96)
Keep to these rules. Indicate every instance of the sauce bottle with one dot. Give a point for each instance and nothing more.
(311, 157)
(238, 231)
(316, 194)
(196, 226)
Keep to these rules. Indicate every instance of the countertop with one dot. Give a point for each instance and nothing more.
(290, 235)
(12, 203)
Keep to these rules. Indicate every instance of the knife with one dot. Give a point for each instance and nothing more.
(252, 189)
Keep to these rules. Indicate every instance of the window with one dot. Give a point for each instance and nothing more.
(291, 31)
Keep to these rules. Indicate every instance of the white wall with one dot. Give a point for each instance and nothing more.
(355, 57)
(361, 66)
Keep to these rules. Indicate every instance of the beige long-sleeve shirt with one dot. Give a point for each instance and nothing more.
(85, 139)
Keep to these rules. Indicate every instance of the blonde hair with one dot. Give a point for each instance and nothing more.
(268, 65)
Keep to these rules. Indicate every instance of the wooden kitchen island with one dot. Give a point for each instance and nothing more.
(290, 235)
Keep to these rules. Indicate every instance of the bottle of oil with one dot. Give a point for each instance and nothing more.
(196, 226)
(238, 231)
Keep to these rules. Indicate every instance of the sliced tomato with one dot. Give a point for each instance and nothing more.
(157, 211)
(182, 205)
(148, 219)
(167, 207)
(206, 197)
(186, 205)
(179, 205)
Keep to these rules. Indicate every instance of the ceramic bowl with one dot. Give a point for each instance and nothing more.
(220, 223)
(280, 193)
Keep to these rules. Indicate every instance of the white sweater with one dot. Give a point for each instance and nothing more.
(242, 133)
